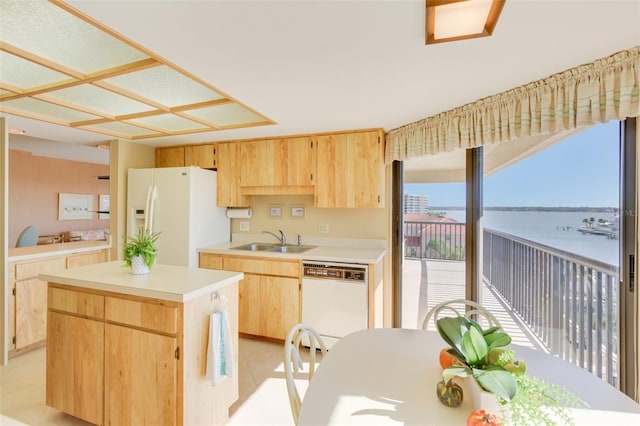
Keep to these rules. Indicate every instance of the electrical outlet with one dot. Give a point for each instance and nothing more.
(324, 228)
(244, 225)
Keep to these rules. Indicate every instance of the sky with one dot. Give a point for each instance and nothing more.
(581, 171)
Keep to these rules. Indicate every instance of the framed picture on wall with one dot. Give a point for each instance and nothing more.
(75, 206)
(103, 207)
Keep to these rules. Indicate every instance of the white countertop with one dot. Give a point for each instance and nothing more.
(49, 250)
(319, 253)
(164, 282)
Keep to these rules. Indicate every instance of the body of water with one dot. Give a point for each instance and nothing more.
(554, 229)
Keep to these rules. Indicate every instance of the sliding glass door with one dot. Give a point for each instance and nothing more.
(553, 250)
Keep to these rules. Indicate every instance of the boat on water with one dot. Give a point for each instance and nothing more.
(608, 228)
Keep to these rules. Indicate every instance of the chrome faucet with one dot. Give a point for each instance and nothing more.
(281, 238)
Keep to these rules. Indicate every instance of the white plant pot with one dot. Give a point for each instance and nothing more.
(483, 400)
(138, 267)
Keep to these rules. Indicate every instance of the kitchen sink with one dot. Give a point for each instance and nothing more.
(289, 248)
(255, 247)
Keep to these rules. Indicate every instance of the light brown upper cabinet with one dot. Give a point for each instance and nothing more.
(350, 170)
(278, 166)
(170, 157)
(203, 156)
(229, 172)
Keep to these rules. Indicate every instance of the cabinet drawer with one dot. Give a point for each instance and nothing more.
(76, 302)
(33, 269)
(151, 316)
(263, 266)
(210, 261)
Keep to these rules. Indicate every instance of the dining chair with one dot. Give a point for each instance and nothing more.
(300, 334)
(470, 309)
(28, 237)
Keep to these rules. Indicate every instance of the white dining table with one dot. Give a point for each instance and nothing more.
(388, 376)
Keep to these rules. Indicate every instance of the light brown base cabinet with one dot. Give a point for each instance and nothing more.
(115, 359)
(269, 301)
(27, 325)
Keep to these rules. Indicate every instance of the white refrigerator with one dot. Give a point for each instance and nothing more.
(180, 203)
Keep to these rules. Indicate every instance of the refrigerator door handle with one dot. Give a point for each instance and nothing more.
(152, 194)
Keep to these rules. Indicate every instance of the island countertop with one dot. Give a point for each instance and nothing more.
(164, 282)
(50, 250)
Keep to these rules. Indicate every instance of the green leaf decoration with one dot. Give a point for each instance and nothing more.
(500, 356)
(496, 340)
(455, 371)
(497, 380)
(474, 347)
(491, 330)
(474, 324)
(451, 330)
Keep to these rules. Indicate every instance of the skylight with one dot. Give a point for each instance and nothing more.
(60, 66)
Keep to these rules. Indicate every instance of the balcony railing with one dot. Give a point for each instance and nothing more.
(569, 302)
(434, 240)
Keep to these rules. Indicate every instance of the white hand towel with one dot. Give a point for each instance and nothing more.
(220, 348)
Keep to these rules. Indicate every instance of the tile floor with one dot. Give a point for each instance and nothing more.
(263, 394)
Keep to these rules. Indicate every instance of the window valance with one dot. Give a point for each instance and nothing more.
(607, 89)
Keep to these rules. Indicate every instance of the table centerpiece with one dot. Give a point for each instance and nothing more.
(495, 379)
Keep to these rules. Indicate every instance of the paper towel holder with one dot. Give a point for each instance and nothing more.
(238, 213)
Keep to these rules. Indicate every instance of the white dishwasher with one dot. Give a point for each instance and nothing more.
(334, 298)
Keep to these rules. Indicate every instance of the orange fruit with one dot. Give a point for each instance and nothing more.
(446, 359)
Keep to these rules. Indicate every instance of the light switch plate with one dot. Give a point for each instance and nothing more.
(324, 228)
(244, 225)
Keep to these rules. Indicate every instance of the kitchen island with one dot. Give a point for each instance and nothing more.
(132, 349)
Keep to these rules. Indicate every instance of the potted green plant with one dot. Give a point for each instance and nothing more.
(480, 355)
(140, 250)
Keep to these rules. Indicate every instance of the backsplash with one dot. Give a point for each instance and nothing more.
(306, 220)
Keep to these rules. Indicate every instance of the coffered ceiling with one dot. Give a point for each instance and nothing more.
(293, 67)
(62, 67)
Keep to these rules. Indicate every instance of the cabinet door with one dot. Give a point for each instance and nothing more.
(203, 156)
(258, 160)
(83, 259)
(296, 161)
(170, 157)
(278, 164)
(249, 304)
(280, 306)
(350, 170)
(140, 383)
(75, 357)
(11, 324)
(229, 172)
(31, 312)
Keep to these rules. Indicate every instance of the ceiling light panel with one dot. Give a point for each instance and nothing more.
(459, 19)
(122, 130)
(91, 97)
(50, 32)
(29, 107)
(227, 115)
(164, 86)
(25, 74)
(170, 123)
(61, 66)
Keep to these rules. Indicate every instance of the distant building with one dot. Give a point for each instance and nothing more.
(416, 203)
